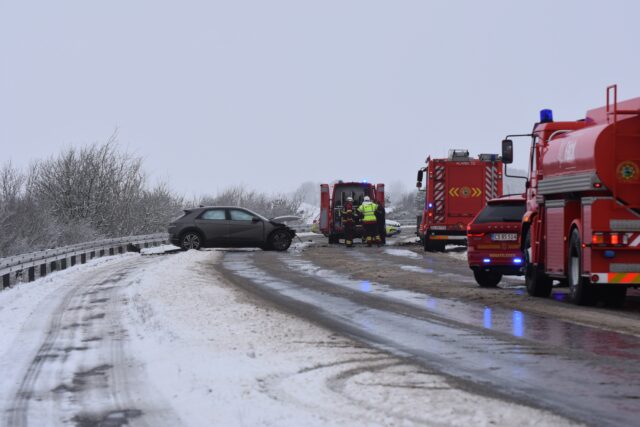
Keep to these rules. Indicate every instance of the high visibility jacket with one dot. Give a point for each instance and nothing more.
(368, 211)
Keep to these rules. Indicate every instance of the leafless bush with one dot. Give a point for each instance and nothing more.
(80, 195)
(264, 204)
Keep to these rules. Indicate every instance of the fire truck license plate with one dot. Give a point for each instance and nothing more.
(504, 237)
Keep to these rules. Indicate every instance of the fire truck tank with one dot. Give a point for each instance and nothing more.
(599, 153)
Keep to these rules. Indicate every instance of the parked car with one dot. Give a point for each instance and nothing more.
(494, 239)
(392, 227)
(229, 227)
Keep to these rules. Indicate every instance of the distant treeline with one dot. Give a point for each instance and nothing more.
(100, 191)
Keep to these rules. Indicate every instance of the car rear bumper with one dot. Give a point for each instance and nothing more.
(496, 261)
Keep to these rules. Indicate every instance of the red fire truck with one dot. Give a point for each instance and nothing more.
(332, 198)
(457, 188)
(582, 223)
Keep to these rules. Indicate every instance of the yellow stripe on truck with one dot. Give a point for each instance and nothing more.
(630, 278)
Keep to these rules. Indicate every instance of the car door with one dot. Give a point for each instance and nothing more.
(214, 225)
(245, 229)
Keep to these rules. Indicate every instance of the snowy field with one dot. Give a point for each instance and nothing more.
(186, 348)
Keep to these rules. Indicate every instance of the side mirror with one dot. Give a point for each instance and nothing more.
(255, 219)
(419, 183)
(507, 151)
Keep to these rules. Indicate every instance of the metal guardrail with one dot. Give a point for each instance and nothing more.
(12, 269)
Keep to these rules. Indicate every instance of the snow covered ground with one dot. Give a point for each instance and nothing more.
(186, 348)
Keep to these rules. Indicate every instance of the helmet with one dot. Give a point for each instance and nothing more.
(367, 199)
(349, 199)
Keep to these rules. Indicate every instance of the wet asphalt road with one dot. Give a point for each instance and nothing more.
(584, 373)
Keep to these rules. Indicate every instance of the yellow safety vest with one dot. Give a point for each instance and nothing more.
(368, 211)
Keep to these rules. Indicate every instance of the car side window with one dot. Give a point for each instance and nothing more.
(238, 215)
(215, 214)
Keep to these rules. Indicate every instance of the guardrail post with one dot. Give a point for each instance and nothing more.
(101, 252)
(6, 280)
(73, 260)
(111, 251)
(83, 258)
(43, 270)
(92, 254)
(63, 263)
(120, 251)
(54, 266)
(146, 244)
(31, 273)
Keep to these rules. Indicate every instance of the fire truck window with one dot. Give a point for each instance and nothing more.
(354, 191)
(501, 213)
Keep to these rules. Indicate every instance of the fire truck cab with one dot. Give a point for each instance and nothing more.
(457, 188)
(582, 220)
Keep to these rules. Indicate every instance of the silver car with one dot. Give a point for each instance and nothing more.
(228, 227)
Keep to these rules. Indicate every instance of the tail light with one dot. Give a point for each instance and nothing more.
(470, 234)
(609, 239)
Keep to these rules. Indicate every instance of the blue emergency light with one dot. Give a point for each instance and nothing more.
(546, 116)
(517, 260)
(486, 260)
(430, 205)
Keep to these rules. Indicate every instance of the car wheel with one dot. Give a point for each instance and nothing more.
(280, 240)
(581, 292)
(191, 240)
(538, 284)
(487, 279)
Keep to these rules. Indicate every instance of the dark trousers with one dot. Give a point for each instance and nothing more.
(371, 232)
(349, 228)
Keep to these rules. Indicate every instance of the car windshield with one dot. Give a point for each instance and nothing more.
(512, 212)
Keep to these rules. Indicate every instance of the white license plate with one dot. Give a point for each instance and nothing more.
(504, 237)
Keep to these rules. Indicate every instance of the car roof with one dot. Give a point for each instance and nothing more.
(219, 207)
(510, 198)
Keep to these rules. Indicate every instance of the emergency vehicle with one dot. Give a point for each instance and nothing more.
(457, 187)
(494, 241)
(582, 223)
(332, 199)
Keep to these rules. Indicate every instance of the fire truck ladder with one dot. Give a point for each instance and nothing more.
(612, 110)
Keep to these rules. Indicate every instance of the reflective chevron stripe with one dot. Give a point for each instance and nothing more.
(618, 278)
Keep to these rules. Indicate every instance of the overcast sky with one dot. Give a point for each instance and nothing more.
(274, 93)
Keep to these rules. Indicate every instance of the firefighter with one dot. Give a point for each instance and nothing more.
(348, 221)
(368, 212)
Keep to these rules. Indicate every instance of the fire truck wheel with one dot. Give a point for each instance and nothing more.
(433, 245)
(581, 292)
(614, 297)
(538, 284)
(487, 279)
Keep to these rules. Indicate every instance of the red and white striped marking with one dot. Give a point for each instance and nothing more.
(491, 182)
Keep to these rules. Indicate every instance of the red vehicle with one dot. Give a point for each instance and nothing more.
(332, 198)
(456, 189)
(494, 240)
(582, 223)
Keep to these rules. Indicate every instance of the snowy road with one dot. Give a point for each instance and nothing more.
(583, 373)
(260, 338)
